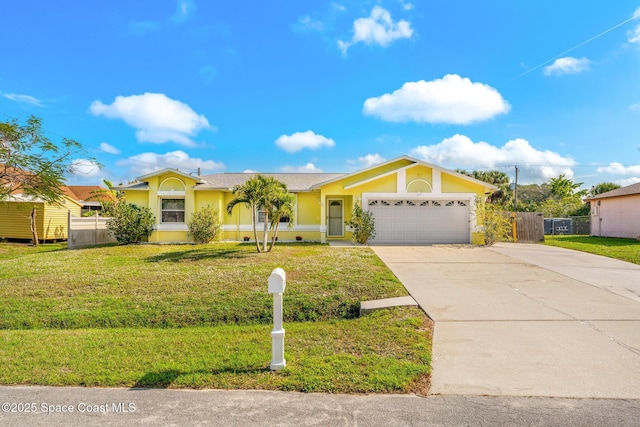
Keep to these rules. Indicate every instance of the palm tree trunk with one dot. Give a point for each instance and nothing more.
(255, 229)
(265, 238)
(275, 235)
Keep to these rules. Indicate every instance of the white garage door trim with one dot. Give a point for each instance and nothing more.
(420, 218)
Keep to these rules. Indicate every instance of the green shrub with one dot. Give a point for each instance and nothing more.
(362, 225)
(131, 223)
(204, 224)
(496, 223)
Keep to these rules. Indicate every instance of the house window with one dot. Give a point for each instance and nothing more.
(173, 210)
(262, 214)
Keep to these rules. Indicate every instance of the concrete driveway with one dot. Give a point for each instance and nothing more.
(526, 320)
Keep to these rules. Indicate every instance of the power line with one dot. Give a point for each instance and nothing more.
(636, 15)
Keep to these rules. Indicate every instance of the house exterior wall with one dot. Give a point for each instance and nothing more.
(55, 224)
(616, 217)
(15, 220)
(51, 221)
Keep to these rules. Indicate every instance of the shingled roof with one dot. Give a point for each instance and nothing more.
(629, 190)
(295, 182)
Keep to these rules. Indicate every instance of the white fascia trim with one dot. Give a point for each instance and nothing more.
(374, 178)
(171, 227)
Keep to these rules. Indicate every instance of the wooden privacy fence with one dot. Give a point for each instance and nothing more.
(88, 231)
(530, 227)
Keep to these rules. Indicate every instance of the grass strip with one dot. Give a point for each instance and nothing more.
(622, 249)
(387, 351)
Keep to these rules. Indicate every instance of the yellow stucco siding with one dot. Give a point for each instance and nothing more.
(140, 198)
(455, 184)
(382, 169)
(308, 208)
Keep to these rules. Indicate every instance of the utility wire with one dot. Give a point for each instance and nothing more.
(636, 15)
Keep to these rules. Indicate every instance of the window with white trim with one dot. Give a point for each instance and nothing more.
(172, 210)
(262, 213)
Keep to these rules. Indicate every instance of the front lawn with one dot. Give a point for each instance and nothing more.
(622, 249)
(200, 316)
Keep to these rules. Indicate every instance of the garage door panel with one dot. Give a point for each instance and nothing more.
(421, 221)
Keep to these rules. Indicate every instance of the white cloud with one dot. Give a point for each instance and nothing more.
(184, 9)
(378, 29)
(567, 65)
(452, 100)
(338, 6)
(301, 140)
(616, 168)
(250, 171)
(461, 152)
(145, 163)
(155, 117)
(371, 160)
(24, 99)
(627, 181)
(308, 168)
(406, 5)
(84, 168)
(308, 23)
(634, 36)
(635, 107)
(108, 148)
(636, 14)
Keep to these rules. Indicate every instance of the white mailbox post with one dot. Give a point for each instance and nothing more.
(277, 283)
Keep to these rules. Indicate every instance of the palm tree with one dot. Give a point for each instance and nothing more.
(248, 194)
(282, 206)
(268, 194)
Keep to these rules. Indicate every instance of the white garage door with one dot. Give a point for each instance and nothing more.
(421, 221)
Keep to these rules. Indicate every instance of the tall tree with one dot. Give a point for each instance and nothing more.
(603, 187)
(500, 179)
(269, 195)
(32, 164)
(248, 194)
(282, 206)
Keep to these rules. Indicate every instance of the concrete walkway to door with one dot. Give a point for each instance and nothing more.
(526, 320)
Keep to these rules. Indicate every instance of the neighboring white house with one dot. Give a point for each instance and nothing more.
(616, 213)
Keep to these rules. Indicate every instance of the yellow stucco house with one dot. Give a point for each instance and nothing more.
(412, 202)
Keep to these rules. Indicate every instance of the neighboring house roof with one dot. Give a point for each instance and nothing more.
(629, 190)
(296, 182)
(89, 195)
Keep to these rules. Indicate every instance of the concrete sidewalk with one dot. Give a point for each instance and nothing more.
(526, 320)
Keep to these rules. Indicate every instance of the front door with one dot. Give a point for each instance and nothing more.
(336, 221)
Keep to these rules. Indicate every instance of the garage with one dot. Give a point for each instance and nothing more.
(421, 221)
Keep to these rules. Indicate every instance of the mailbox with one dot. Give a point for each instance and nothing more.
(277, 281)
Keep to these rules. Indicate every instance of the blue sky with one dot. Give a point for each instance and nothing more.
(332, 86)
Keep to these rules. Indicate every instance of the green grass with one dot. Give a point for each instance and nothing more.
(199, 316)
(185, 285)
(387, 351)
(622, 249)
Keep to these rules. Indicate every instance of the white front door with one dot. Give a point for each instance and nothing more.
(335, 219)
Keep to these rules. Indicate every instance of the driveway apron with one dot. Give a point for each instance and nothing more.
(526, 320)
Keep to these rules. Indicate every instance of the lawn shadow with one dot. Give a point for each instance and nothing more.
(164, 379)
(199, 254)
